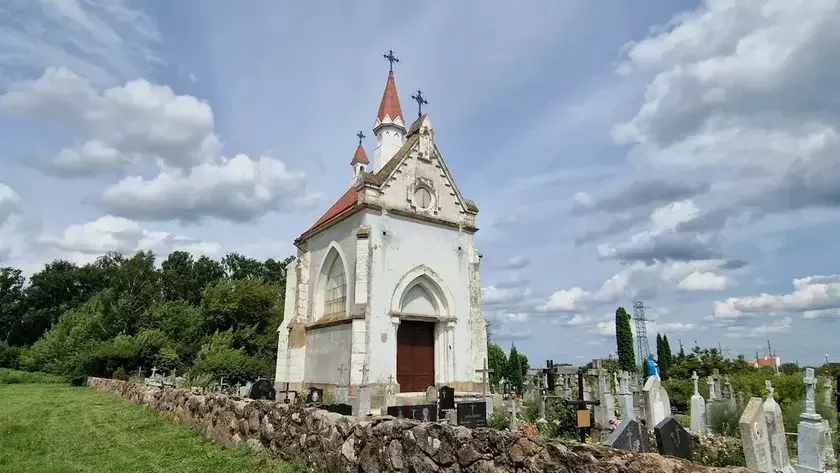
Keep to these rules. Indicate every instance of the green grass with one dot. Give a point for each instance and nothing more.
(8, 376)
(58, 428)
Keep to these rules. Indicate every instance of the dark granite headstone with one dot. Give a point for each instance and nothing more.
(472, 414)
(672, 439)
(262, 389)
(446, 398)
(629, 436)
(343, 409)
(314, 396)
(421, 412)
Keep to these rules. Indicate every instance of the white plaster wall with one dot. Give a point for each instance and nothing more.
(407, 244)
(283, 331)
(343, 235)
(327, 348)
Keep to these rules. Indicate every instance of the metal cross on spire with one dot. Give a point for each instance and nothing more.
(361, 136)
(391, 59)
(418, 97)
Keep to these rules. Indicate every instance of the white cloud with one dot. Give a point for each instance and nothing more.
(811, 296)
(752, 331)
(739, 88)
(517, 262)
(605, 328)
(108, 233)
(106, 42)
(9, 202)
(137, 123)
(239, 190)
(566, 300)
(497, 296)
(576, 321)
(703, 281)
(674, 327)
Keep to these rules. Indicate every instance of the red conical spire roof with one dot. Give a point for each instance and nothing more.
(390, 105)
(360, 157)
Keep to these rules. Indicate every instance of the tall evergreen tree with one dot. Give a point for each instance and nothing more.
(624, 340)
(668, 356)
(514, 371)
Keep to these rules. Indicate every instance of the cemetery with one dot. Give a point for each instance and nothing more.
(368, 345)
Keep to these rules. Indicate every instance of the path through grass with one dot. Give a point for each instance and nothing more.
(58, 428)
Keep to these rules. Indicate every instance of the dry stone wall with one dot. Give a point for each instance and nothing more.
(332, 443)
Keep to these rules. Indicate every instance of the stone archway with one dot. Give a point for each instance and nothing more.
(421, 310)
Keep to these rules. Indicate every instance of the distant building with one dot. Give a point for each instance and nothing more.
(767, 362)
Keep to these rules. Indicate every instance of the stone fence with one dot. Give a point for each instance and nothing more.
(332, 443)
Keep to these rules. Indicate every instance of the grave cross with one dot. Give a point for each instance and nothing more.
(139, 371)
(484, 372)
(418, 97)
(809, 391)
(390, 379)
(154, 371)
(391, 59)
(364, 371)
(582, 406)
(769, 386)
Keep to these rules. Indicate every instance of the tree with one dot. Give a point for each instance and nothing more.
(515, 375)
(11, 301)
(624, 340)
(663, 355)
(496, 361)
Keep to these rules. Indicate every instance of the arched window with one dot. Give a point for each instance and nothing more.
(335, 291)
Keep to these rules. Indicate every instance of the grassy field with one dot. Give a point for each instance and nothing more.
(57, 428)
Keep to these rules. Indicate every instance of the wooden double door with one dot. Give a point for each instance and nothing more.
(415, 355)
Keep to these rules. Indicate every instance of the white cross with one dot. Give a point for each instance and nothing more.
(809, 391)
(154, 371)
(484, 376)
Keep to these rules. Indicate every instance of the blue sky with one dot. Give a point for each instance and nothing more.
(680, 152)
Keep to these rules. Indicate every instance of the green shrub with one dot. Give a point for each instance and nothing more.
(717, 451)
(78, 381)
(9, 356)
(723, 417)
(120, 374)
(499, 419)
(8, 376)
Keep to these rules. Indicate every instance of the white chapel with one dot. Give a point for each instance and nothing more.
(385, 289)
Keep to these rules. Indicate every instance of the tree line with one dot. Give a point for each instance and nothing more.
(124, 314)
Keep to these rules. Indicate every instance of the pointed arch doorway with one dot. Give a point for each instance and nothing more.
(420, 309)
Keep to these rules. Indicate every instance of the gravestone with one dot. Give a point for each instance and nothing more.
(629, 436)
(672, 439)
(829, 392)
(472, 414)
(657, 404)
(625, 397)
(754, 437)
(262, 389)
(605, 411)
(342, 392)
(314, 395)
(421, 412)
(712, 389)
(776, 432)
(341, 408)
(431, 394)
(698, 408)
(446, 398)
(363, 394)
(813, 435)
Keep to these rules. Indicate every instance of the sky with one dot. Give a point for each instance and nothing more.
(681, 153)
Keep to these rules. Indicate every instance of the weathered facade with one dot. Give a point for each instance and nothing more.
(386, 287)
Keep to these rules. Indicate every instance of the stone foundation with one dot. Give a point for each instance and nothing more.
(331, 443)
